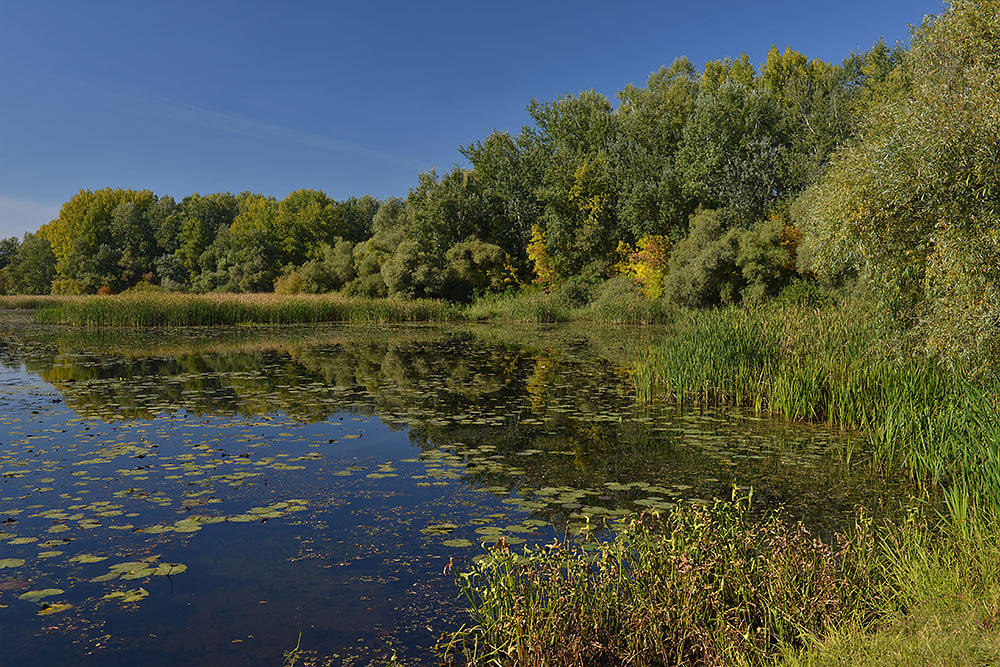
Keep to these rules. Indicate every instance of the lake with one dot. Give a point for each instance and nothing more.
(205, 496)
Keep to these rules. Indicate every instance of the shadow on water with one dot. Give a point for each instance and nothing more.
(191, 496)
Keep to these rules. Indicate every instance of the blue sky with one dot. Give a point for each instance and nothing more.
(349, 98)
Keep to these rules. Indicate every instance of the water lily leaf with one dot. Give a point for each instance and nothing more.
(35, 596)
(128, 596)
(130, 566)
(11, 562)
(54, 608)
(439, 528)
(164, 569)
(156, 529)
(459, 543)
(87, 558)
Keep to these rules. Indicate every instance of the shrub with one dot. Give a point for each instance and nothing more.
(766, 257)
(66, 286)
(703, 270)
(410, 272)
(293, 283)
(701, 586)
(476, 266)
(647, 264)
(576, 292)
(369, 286)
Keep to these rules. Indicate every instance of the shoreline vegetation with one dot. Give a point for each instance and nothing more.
(149, 309)
(925, 590)
(709, 586)
(820, 242)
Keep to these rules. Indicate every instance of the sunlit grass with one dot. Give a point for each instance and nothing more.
(833, 365)
(699, 586)
(142, 310)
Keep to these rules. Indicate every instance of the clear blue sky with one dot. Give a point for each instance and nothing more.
(349, 98)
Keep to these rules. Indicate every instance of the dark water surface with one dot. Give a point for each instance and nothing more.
(202, 496)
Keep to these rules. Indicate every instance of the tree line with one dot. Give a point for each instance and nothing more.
(704, 186)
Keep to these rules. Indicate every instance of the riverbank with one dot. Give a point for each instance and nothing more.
(615, 302)
(709, 586)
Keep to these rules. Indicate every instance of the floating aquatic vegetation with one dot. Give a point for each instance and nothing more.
(355, 462)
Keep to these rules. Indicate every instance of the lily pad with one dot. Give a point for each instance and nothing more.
(35, 596)
(54, 608)
(87, 558)
(458, 543)
(128, 596)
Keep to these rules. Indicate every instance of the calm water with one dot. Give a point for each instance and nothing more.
(201, 497)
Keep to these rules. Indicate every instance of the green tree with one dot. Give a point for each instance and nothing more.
(652, 121)
(913, 201)
(33, 267)
(202, 217)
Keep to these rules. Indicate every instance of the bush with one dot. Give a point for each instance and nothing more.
(333, 270)
(293, 283)
(703, 269)
(576, 292)
(702, 586)
(412, 273)
(621, 301)
(475, 266)
(766, 257)
(369, 286)
(66, 286)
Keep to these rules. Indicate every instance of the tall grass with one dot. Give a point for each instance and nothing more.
(700, 586)
(536, 306)
(160, 309)
(33, 301)
(710, 587)
(833, 365)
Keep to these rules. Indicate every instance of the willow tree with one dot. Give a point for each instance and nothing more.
(914, 201)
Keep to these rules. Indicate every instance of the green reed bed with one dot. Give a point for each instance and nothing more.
(141, 310)
(834, 366)
(699, 586)
(536, 306)
(33, 302)
(712, 587)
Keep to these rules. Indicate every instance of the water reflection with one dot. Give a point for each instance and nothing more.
(323, 475)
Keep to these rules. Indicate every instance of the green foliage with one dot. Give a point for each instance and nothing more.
(474, 266)
(688, 588)
(368, 286)
(621, 301)
(703, 269)
(766, 258)
(913, 201)
(333, 270)
(411, 272)
(293, 283)
(32, 268)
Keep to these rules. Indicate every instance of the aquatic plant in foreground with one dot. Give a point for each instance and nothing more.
(701, 585)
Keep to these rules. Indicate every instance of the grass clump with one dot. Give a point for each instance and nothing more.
(700, 586)
(938, 604)
(616, 301)
(165, 309)
(33, 301)
(833, 365)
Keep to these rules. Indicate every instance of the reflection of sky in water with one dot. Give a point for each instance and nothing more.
(318, 480)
